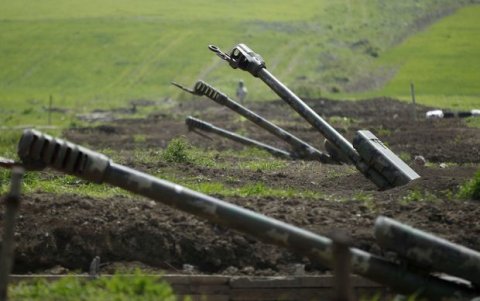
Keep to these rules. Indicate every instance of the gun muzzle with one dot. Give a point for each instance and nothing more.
(37, 150)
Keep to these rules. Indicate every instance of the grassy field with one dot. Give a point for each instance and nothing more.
(97, 54)
(136, 286)
(442, 61)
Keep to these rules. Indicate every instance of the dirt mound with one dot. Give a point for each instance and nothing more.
(69, 230)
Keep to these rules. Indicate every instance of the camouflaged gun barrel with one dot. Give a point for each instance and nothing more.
(301, 149)
(428, 251)
(373, 158)
(208, 127)
(36, 149)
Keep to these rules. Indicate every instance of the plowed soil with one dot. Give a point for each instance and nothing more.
(65, 232)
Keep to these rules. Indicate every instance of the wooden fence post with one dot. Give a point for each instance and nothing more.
(12, 203)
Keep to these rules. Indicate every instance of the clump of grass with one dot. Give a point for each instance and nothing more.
(367, 200)
(363, 197)
(177, 151)
(60, 184)
(405, 156)
(473, 122)
(180, 151)
(255, 189)
(263, 165)
(417, 195)
(139, 138)
(340, 121)
(471, 189)
(383, 131)
(118, 287)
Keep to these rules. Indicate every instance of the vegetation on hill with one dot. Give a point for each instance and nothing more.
(97, 54)
(441, 61)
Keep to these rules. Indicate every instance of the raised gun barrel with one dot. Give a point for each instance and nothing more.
(428, 251)
(373, 158)
(208, 127)
(38, 149)
(301, 149)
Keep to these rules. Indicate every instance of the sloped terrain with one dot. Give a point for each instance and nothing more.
(69, 230)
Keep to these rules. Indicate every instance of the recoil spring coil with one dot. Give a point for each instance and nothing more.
(205, 89)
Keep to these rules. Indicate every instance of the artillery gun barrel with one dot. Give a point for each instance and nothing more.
(427, 250)
(368, 154)
(208, 127)
(301, 148)
(39, 149)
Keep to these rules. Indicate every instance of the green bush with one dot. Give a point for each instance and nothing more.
(118, 287)
(177, 151)
(471, 189)
(180, 151)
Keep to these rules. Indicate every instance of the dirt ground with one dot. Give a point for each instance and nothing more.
(59, 233)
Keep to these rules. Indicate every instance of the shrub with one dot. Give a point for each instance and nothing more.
(418, 195)
(177, 151)
(471, 189)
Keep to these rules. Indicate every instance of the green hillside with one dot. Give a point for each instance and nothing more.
(443, 62)
(104, 53)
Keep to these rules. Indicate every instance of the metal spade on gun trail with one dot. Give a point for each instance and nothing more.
(369, 155)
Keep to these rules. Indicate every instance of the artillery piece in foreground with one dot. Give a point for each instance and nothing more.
(369, 155)
(427, 251)
(37, 150)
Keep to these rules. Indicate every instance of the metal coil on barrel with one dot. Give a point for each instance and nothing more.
(38, 150)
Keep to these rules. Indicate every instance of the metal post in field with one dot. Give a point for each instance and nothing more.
(341, 267)
(12, 203)
(414, 105)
